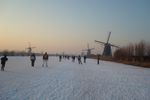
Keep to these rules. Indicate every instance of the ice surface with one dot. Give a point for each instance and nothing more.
(70, 81)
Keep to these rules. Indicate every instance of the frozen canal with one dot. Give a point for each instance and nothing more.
(70, 81)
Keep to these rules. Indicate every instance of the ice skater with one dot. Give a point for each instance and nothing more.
(73, 58)
(3, 62)
(45, 60)
(98, 58)
(32, 58)
(84, 58)
(60, 57)
(79, 59)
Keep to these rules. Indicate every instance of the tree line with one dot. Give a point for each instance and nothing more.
(138, 52)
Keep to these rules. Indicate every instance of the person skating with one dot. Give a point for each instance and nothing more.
(79, 59)
(98, 58)
(60, 57)
(84, 58)
(73, 58)
(32, 58)
(3, 62)
(45, 60)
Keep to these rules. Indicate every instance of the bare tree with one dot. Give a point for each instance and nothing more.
(121, 53)
(130, 51)
(148, 49)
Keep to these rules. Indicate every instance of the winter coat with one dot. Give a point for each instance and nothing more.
(32, 57)
(3, 60)
(45, 57)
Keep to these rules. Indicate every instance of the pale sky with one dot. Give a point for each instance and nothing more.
(59, 26)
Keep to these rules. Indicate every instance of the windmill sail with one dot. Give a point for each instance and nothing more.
(107, 46)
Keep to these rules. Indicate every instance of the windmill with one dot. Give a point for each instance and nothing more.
(29, 48)
(107, 46)
(88, 50)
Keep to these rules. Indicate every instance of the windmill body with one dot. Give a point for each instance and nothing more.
(107, 50)
(88, 51)
(29, 49)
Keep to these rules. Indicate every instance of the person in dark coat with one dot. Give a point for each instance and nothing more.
(98, 58)
(79, 59)
(84, 58)
(3, 62)
(32, 58)
(45, 59)
(73, 58)
(60, 57)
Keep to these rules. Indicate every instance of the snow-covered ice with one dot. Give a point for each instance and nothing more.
(70, 81)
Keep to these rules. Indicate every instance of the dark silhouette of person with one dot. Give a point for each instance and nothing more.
(84, 58)
(60, 57)
(73, 58)
(3, 62)
(32, 58)
(68, 57)
(79, 59)
(45, 59)
(98, 58)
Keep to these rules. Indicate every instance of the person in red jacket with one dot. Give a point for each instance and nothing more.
(45, 60)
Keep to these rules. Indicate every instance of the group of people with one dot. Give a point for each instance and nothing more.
(85, 57)
(78, 58)
(32, 58)
(45, 60)
(73, 58)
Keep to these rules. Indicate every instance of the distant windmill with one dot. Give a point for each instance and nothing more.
(107, 46)
(88, 50)
(29, 48)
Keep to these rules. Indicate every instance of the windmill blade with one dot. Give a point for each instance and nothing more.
(108, 37)
(100, 42)
(114, 46)
(88, 49)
